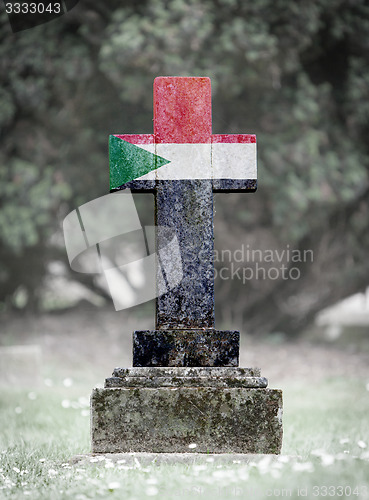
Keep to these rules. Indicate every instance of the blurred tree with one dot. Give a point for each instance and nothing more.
(296, 74)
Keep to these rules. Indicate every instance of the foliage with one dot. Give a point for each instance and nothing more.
(296, 74)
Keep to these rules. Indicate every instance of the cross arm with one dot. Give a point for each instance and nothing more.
(228, 161)
(233, 160)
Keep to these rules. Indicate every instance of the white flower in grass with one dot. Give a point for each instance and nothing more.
(303, 467)
(210, 459)
(275, 473)
(65, 403)
(217, 473)
(223, 473)
(192, 446)
(109, 465)
(199, 467)
(122, 461)
(85, 413)
(318, 453)
(124, 467)
(18, 410)
(264, 464)
(94, 459)
(277, 465)
(67, 382)
(114, 485)
(152, 491)
(8, 483)
(15, 469)
(26, 492)
(341, 456)
(243, 474)
(42, 460)
(344, 440)
(361, 444)
(52, 472)
(32, 396)
(327, 460)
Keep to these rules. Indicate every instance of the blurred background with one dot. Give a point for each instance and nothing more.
(294, 73)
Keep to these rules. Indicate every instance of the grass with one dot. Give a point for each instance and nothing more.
(325, 451)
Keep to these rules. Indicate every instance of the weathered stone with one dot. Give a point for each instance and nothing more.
(217, 420)
(251, 382)
(198, 377)
(203, 371)
(208, 347)
(234, 185)
(187, 206)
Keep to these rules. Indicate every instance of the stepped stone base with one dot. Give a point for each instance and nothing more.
(165, 410)
(197, 347)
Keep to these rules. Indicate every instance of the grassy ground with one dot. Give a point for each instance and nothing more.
(325, 425)
(325, 451)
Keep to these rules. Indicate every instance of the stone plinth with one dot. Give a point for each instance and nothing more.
(221, 410)
(197, 347)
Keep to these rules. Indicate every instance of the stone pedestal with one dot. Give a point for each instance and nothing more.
(220, 410)
(175, 347)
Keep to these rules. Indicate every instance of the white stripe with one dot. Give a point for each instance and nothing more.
(187, 161)
(204, 161)
(151, 176)
(234, 161)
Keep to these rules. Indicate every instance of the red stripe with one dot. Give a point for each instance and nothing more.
(234, 138)
(136, 138)
(182, 110)
(215, 138)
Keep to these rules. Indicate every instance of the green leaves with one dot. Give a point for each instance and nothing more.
(296, 74)
(30, 200)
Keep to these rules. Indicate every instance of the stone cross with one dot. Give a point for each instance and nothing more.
(186, 164)
(185, 391)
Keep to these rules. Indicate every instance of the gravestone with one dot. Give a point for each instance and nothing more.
(185, 391)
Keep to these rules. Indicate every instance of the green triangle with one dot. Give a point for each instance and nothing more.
(128, 162)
